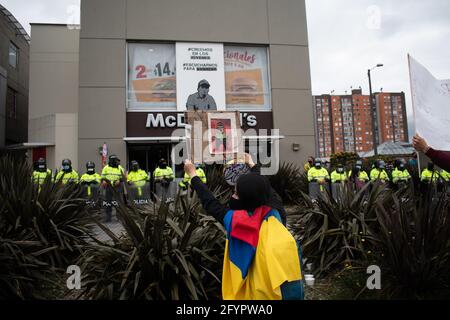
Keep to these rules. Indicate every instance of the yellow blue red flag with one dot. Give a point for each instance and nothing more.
(262, 258)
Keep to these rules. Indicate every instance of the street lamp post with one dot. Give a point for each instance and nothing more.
(373, 109)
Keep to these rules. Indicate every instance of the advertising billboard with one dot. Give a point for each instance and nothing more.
(151, 76)
(200, 76)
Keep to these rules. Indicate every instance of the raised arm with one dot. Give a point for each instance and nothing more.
(440, 158)
(211, 205)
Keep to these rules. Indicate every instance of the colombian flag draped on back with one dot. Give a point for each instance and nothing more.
(261, 260)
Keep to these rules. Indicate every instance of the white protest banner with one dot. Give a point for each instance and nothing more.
(196, 62)
(431, 104)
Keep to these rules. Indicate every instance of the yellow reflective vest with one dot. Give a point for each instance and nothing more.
(319, 174)
(187, 179)
(89, 179)
(39, 177)
(336, 176)
(139, 177)
(377, 174)
(445, 175)
(112, 174)
(400, 176)
(160, 174)
(92, 178)
(428, 175)
(362, 176)
(306, 167)
(65, 177)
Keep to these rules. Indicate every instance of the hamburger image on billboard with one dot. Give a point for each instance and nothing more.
(244, 87)
(155, 90)
(164, 88)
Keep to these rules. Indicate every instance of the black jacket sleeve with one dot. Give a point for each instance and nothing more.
(256, 169)
(211, 205)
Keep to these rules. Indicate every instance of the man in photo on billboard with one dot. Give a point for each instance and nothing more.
(201, 100)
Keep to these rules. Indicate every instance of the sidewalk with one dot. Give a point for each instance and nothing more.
(115, 226)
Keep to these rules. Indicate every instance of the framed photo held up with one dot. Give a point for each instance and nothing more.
(213, 136)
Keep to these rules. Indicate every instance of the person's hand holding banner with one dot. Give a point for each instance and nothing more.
(420, 144)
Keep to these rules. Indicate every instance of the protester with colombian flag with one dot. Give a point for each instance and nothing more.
(262, 259)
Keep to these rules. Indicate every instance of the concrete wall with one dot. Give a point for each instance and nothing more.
(54, 81)
(16, 128)
(108, 24)
(66, 138)
(61, 130)
(42, 129)
(53, 70)
(3, 81)
(291, 78)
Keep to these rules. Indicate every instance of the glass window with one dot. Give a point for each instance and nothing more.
(13, 57)
(151, 76)
(247, 78)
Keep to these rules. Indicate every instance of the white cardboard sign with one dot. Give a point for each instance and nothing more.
(431, 104)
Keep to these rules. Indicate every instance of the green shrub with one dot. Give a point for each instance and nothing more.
(289, 182)
(414, 245)
(168, 252)
(41, 233)
(334, 232)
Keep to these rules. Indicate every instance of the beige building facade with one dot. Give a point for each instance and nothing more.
(80, 95)
(53, 111)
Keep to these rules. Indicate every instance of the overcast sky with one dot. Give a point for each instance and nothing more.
(346, 37)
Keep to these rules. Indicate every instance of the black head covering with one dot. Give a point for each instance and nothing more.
(67, 165)
(90, 167)
(380, 164)
(253, 191)
(400, 164)
(114, 161)
(162, 164)
(134, 165)
(318, 163)
(41, 165)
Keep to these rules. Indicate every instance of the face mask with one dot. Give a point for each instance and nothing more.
(234, 204)
(66, 167)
